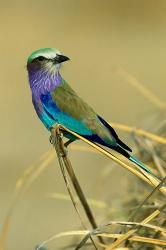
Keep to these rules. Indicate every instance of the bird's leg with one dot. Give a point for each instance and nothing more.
(52, 136)
(62, 146)
(66, 144)
(53, 140)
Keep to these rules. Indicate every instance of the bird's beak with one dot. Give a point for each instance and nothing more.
(61, 58)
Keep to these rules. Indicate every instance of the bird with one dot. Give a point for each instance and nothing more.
(56, 102)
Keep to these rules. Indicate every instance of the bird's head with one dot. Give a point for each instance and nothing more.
(47, 59)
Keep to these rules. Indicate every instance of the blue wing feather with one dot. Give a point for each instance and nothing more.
(51, 114)
(57, 116)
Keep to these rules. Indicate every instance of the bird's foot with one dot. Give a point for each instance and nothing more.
(63, 152)
(52, 139)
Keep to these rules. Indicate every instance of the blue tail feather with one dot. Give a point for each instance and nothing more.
(140, 164)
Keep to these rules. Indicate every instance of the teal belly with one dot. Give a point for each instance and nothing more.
(52, 115)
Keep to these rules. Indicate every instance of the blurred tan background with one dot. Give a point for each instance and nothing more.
(100, 37)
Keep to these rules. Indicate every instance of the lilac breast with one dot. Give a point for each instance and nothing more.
(43, 82)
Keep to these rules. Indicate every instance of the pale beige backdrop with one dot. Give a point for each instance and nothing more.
(100, 37)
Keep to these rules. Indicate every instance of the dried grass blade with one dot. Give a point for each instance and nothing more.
(143, 175)
(132, 231)
(142, 89)
(64, 162)
(139, 132)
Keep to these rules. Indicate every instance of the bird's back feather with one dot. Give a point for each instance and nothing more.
(72, 105)
(67, 108)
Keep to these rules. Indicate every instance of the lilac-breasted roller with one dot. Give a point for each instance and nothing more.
(56, 102)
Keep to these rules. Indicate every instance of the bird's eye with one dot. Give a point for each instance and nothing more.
(40, 58)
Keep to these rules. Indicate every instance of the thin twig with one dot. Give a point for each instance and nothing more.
(148, 178)
(62, 155)
(133, 215)
(101, 231)
(134, 230)
(23, 182)
(105, 235)
(142, 89)
(155, 158)
(139, 132)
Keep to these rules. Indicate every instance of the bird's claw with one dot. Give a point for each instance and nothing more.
(52, 139)
(63, 152)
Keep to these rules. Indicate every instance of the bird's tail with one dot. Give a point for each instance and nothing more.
(133, 159)
(140, 164)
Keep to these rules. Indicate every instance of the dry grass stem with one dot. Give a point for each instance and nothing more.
(153, 181)
(134, 238)
(92, 202)
(145, 142)
(23, 182)
(133, 215)
(132, 231)
(64, 162)
(144, 176)
(141, 88)
(139, 132)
